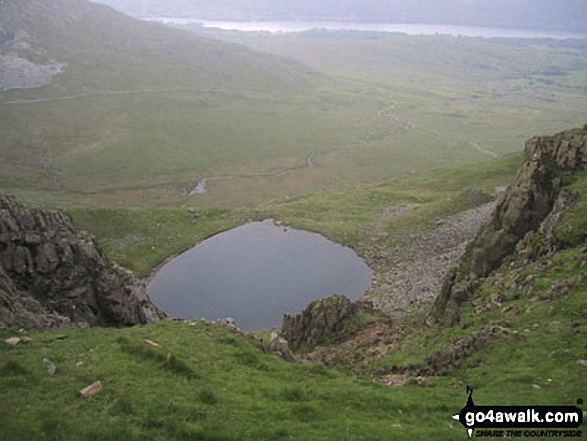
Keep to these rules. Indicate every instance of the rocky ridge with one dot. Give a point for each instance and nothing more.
(17, 70)
(320, 321)
(531, 213)
(522, 225)
(52, 275)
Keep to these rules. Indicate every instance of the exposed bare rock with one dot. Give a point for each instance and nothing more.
(23, 66)
(12, 341)
(53, 276)
(370, 343)
(530, 199)
(90, 390)
(530, 209)
(448, 357)
(20, 73)
(279, 345)
(409, 276)
(321, 320)
(51, 368)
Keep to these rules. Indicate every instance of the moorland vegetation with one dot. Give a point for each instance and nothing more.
(326, 132)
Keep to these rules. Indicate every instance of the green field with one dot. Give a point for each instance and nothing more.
(311, 112)
(140, 238)
(320, 130)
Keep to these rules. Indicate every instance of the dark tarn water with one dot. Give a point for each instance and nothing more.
(255, 273)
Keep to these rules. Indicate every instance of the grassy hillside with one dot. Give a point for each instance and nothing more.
(141, 112)
(104, 48)
(139, 238)
(203, 383)
(208, 382)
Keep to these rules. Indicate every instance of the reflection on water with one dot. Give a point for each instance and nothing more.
(255, 273)
(284, 27)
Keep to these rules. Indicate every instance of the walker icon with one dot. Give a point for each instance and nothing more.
(469, 407)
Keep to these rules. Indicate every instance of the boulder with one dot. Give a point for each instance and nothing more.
(12, 341)
(279, 345)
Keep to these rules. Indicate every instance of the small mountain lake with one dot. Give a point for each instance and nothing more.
(255, 273)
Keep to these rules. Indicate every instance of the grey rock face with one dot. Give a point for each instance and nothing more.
(52, 276)
(321, 320)
(533, 204)
(20, 73)
(531, 197)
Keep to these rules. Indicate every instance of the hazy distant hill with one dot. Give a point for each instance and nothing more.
(98, 106)
(94, 102)
(567, 15)
(97, 47)
(88, 95)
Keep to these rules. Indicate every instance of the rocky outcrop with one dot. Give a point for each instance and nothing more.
(531, 197)
(52, 275)
(448, 357)
(17, 72)
(20, 73)
(321, 321)
(533, 205)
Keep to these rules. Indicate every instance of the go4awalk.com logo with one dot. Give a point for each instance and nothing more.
(520, 421)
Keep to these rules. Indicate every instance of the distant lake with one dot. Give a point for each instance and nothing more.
(255, 273)
(277, 27)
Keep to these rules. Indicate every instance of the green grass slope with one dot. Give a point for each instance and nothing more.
(140, 238)
(204, 382)
(142, 112)
(208, 382)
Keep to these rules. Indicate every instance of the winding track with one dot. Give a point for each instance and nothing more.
(201, 186)
(483, 150)
(106, 93)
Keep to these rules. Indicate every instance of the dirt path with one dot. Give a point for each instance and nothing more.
(107, 93)
(483, 150)
(399, 126)
(202, 184)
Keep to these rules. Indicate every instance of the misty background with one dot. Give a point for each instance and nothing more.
(559, 15)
